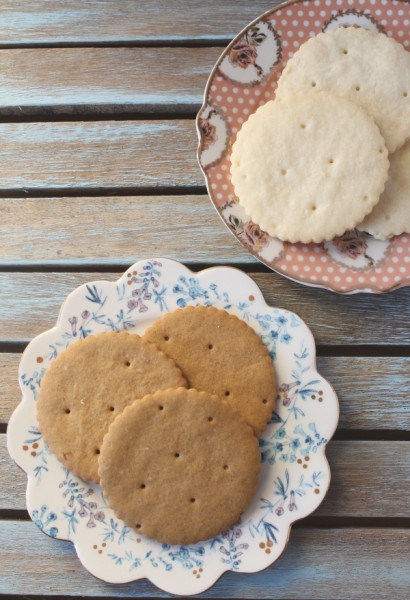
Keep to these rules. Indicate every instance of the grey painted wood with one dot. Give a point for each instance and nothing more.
(75, 80)
(53, 21)
(369, 479)
(359, 564)
(30, 303)
(109, 154)
(373, 393)
(113, 230)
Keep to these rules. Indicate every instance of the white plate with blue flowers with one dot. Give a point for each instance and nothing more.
(295, 473)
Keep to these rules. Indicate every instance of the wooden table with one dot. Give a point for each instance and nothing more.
(97, 170)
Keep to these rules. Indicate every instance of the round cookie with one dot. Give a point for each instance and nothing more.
(364, 66)
(179, 466)
(309, 167)
(88, 385)
(391, 215)
(220, 354)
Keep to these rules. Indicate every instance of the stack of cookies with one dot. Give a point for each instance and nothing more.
(332, 151)
(167, 423)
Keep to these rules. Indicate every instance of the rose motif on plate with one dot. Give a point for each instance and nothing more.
(251, 58)
(257, 240)
(357, 250)
(213, 132)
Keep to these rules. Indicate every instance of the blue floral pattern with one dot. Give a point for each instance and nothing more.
(294, 468)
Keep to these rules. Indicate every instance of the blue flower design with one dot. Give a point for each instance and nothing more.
(295, 443)
(286, 338)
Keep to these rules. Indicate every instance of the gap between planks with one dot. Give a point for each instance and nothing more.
(358, 435)
(165, 42)
(382, 413)
(310, 522)
(367, 351)
(31, 301)
(354, 563)
(78, 22)
(368, 479)
(84, 83)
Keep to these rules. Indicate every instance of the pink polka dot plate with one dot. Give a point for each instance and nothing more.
(244, 78)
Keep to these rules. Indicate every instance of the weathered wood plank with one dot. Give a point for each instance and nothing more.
(10, 390)
(30, 303)
(373, 392)
(369, 479)
(317, 564)
(74, 21)
(103, 79)
(361, 473)
(99, 154)
(114, 230)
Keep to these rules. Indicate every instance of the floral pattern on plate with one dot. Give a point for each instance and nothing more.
(249, 233)
(244, 78)
(295, 473)
(251, 57)
(214, 135)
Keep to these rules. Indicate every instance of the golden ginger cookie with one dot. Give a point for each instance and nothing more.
(88, 385)
(179, 466)
(222, 355)
(306, 168)
(367, 67)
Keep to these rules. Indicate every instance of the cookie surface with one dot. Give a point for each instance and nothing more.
(391, 216)
(364, 66)
(222, 355)
(308, 167)
(88, 385)
(179, 466)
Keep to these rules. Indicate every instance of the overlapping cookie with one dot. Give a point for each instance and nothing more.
(309, 167)
(88, 385)
(366, 67)
(222, 355)
(179, 466)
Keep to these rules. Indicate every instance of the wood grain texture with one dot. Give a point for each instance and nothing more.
(75, 80)
(359, 564)
(369, 479)
(114, 229)
(53, 21)
(106, 154)
(10, 390)
(30, 303)
(373, 393)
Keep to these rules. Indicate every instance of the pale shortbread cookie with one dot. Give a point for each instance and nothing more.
(367, 67)
(179, 466)
(220, 354)
(88, 385)
(309, 167)
(391, 216)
